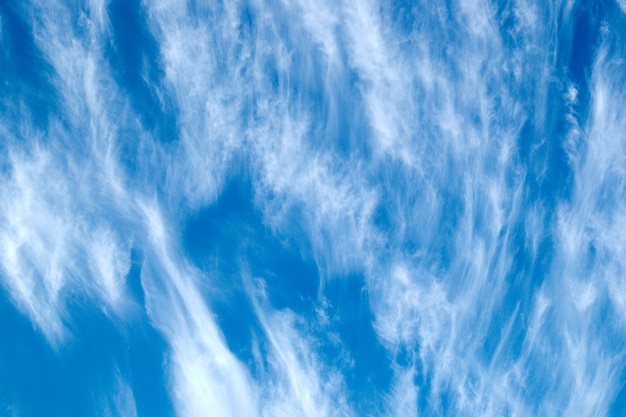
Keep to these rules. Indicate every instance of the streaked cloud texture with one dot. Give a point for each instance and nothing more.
(330, 208)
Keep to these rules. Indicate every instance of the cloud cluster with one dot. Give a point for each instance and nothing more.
(425, 148)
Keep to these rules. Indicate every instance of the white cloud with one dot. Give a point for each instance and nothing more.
(591, 246)
(206, 378)
(62, 192)
(121, 402)
(46, 238)
(404, 396)
(36, 239)
(333, 202)
(447, 310)
(444, 126)
(297, 380)
(205, 61)
(109, 264)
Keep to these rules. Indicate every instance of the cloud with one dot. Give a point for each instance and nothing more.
(205, 375)
(296, 381)
(404, 396)
(446, 302)
(590, 253)
(204, 58)
(44, 236)
(122, 401)
(206, 378)
(35, 238)
(409, 145)
(109, 263)
(61, 208)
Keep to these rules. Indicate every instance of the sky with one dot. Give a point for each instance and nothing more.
(312, 208)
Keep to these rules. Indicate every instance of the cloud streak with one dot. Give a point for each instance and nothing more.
(446, 162)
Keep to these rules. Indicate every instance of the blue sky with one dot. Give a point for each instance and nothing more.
(296, 208)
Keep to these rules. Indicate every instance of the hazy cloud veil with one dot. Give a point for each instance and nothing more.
(312, 208)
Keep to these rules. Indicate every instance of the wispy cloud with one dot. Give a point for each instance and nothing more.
(206, 377)
(590, 262)
(122, 400)
(425, 148)
(50, 250)
(57, 240)
(204, 57)
(296, 380)
(35, 259)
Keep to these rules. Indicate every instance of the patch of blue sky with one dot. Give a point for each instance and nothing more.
(74, 380)
(27, 77)
(135, 60)
(230, 236)
(366, 362)
(145, 353)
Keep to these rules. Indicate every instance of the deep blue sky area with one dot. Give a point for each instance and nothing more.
(339, 208)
